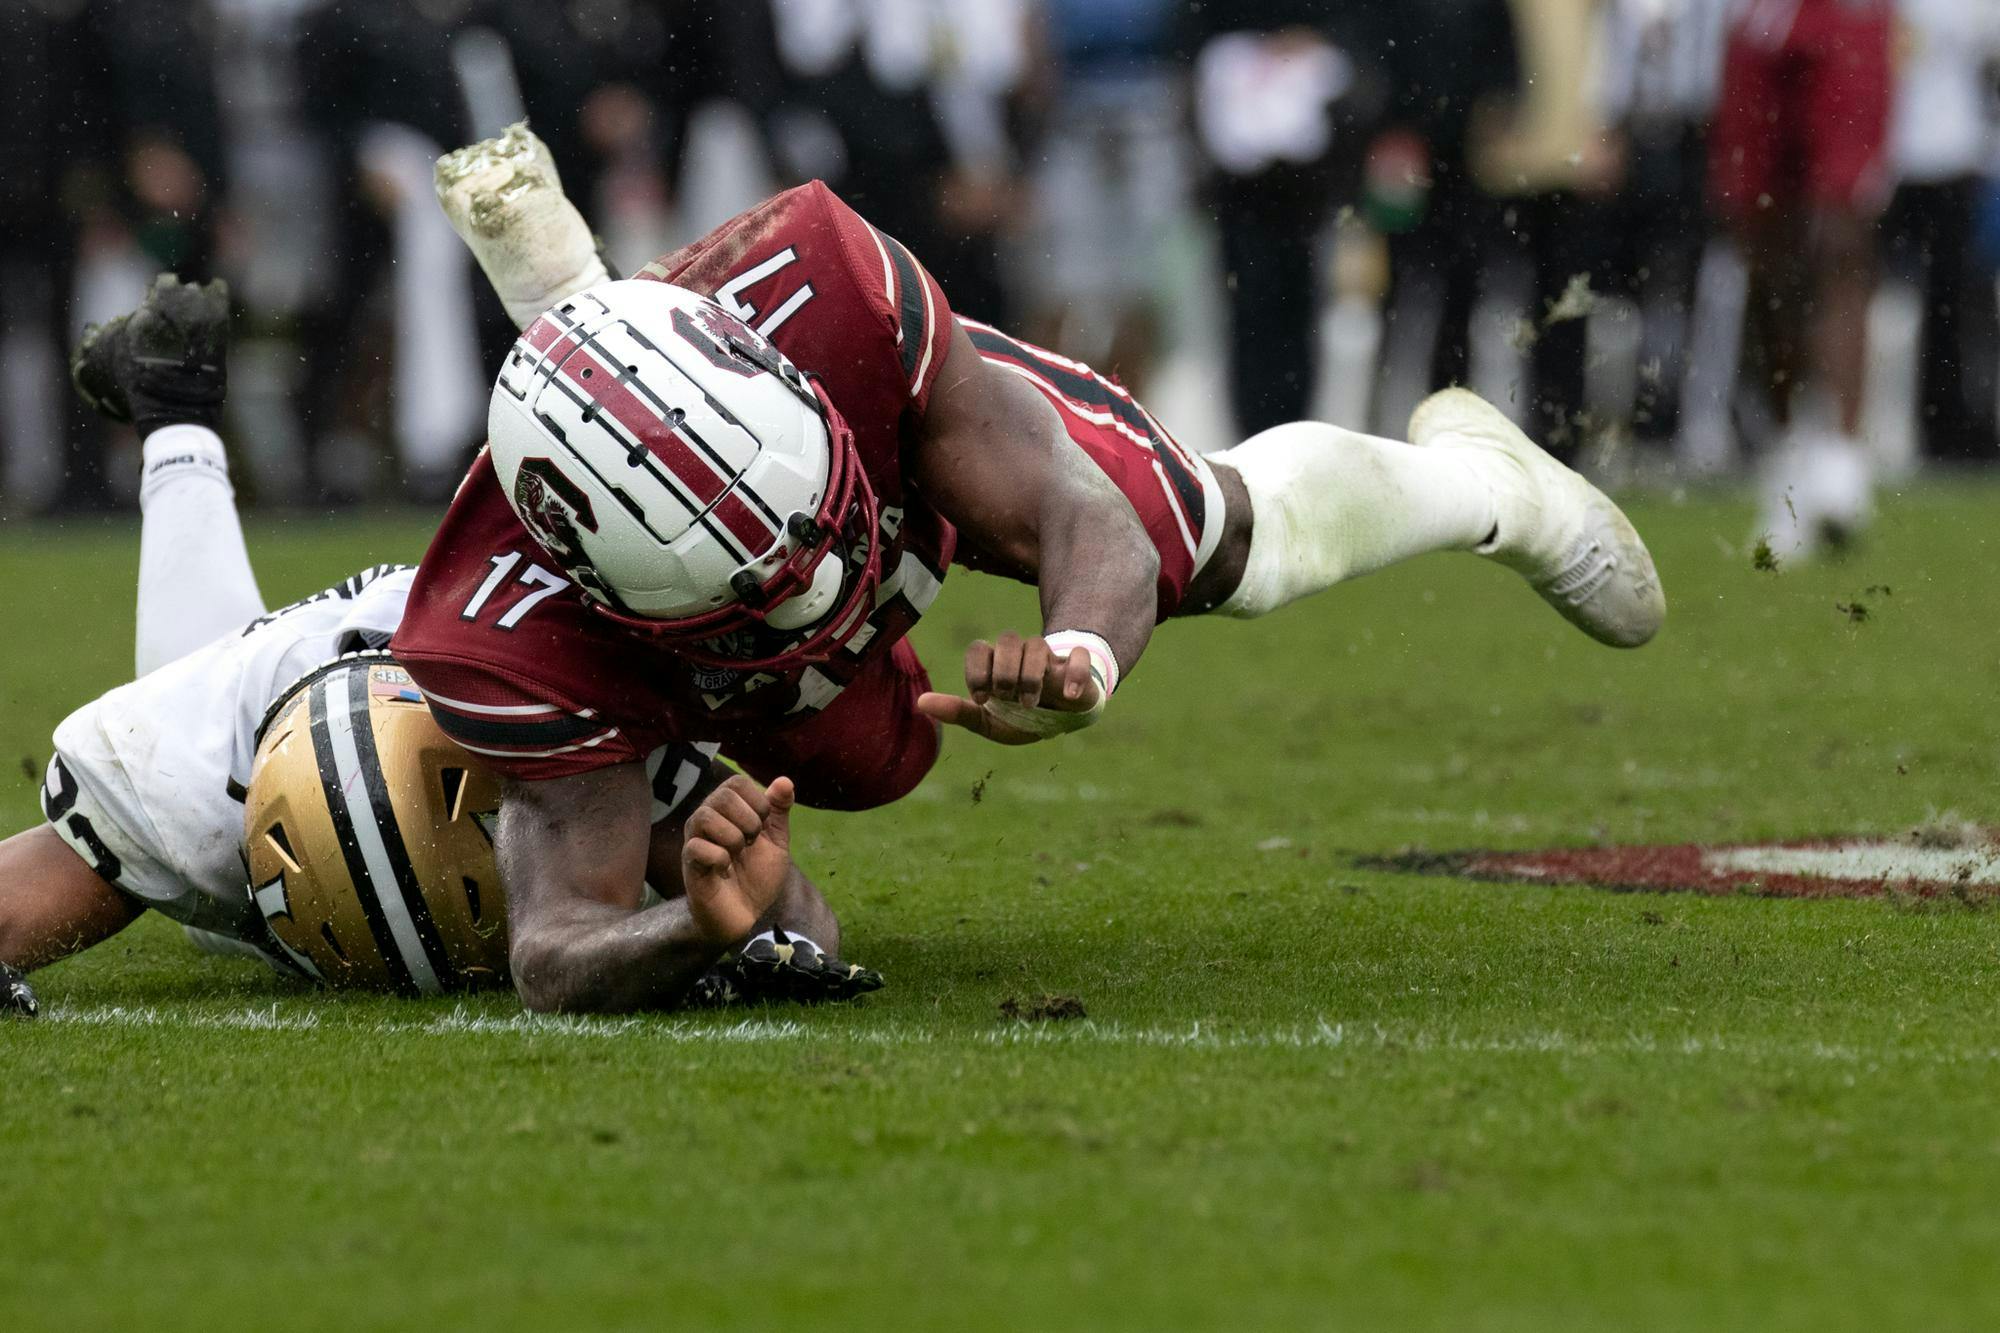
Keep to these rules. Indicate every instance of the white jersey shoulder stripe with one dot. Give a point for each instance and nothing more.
(930, 327)
(589, 744)
(888, 276)
(502, 710)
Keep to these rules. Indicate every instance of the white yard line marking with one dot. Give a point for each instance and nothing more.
(1894, 861)
(1319, 1035)
(123, 1016)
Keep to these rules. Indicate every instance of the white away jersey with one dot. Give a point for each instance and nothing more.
(147, 781)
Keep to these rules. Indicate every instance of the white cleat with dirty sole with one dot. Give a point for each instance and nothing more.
(506, 202)
(1573, 545)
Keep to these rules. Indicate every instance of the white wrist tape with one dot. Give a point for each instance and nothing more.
(506, 202)
(1065, 641)
(1044, 722)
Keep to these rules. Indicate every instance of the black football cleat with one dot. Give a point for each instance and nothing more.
(715, 988)
(778, 966)
(16, 999)
(163, 364)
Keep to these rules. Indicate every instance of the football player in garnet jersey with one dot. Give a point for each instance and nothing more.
(716, 497)
(274, 782)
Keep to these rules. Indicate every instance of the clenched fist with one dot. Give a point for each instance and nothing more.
(1021, 691)
(736, 852)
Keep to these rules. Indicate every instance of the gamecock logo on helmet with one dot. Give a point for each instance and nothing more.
(552, 508)
(727, 343)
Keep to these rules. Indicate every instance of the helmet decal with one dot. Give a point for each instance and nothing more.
(727, 343)
(726, 487)
(552, 508)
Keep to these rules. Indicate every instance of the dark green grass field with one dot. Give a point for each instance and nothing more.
(1305, 1095)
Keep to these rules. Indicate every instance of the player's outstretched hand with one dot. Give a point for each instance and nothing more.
(776, 965)
(17, 1001)
(1060, 692)
(736, 852)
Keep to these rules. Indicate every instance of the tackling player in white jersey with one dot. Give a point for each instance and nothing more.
(367, 859)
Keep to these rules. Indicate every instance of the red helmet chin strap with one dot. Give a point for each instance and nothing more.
(849, 518)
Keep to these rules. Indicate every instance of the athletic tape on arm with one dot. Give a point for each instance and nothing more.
(1046, 722)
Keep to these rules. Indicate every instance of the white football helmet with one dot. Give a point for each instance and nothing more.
(688, 477)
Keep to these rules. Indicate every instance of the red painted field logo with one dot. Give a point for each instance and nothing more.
(1924, 864)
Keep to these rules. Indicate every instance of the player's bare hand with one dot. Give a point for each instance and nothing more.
(736, 852)
(1015, 670)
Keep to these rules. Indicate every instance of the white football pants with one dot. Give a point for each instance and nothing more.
(195, 581)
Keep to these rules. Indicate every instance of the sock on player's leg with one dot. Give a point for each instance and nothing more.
(1329, 504)
(195, 581)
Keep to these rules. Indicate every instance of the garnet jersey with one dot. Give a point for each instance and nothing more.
(1170, 489)
(519, 669)
(515, 664)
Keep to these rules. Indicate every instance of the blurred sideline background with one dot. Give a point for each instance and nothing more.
(1248, 211)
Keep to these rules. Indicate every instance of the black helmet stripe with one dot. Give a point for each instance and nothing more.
(364, 820)
(587, 341)
(715, 404)
(731, 475)
(391, 833)
(703, 514)
(350, 846)
(742, 488)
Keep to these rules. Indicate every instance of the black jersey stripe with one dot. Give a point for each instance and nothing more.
(1194, 501)
(1092, 392)
(1084, 388)
(910, 292)
(491, 731)
(392, 834)
(350, 846)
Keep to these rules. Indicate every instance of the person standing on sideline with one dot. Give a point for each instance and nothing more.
(1281, 111)
(1799, 172)
(1944, 142)
(1660, 65)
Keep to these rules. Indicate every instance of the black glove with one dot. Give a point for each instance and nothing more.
(780, 966)
(18, 1000)
(163, 364)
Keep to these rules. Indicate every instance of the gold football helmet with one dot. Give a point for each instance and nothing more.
(368, 837)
